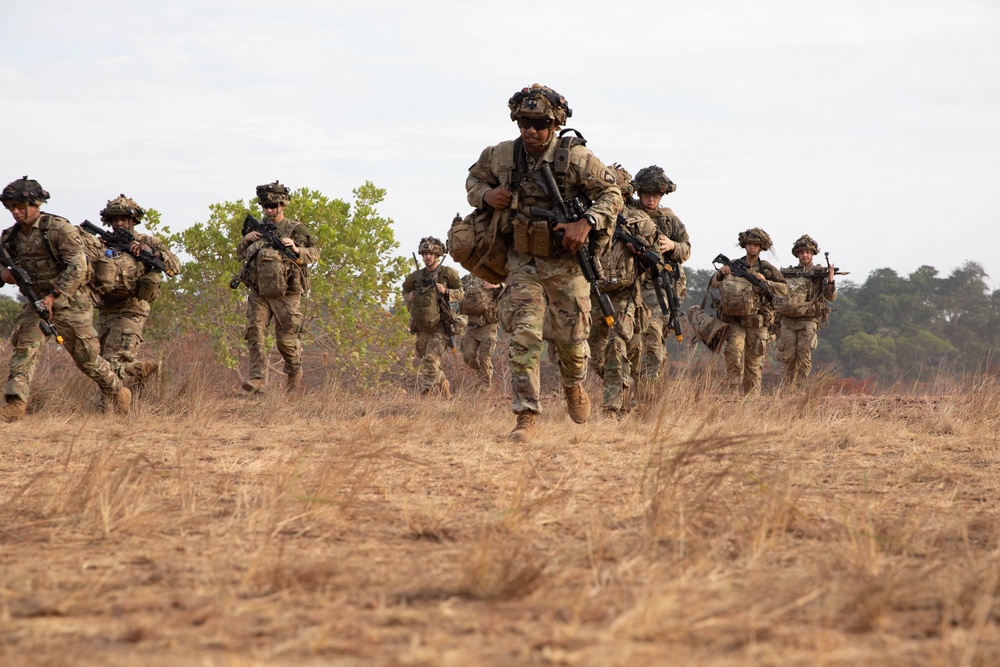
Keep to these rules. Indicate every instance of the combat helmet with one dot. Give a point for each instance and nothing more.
(273, 193)
(123, 206)
(539, 102)
(653, 179)
(755, 235)
(624, 180)
(807, 242)
(431, 244)
(26, 190)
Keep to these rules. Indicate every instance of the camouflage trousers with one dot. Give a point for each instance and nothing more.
(431, 347)
(478, 344)
(120, 332)
(73, 318)
(287, 326)
(563, 293)
(611, 350)
(744, 353)
(797, 340)
(654, 335)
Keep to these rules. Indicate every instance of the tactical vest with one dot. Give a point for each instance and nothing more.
(804, 299)
(45, 271)
(619, 264)
(271, 273)
(425, 312)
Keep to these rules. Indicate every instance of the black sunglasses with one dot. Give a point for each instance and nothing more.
(538, 124)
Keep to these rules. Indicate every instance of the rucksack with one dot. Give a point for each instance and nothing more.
(797, 303)
(425, 313)
(737, 297)
(272, 273)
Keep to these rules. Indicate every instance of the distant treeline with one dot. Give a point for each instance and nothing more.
(904, 327)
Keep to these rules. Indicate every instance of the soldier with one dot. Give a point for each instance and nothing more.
(276, 287)
(609, 347)
(480, 338)
(514, 177)
(652, 185)
(429, 292)
(122, 312)
(748, 314)
(51, 253)
(802, 311)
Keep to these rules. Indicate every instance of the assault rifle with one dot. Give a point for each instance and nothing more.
(571, 211)
(741, 269)
(268, 232)
(122, 240)
(444, 307)
(663, 271)
(813, 272)
(23, 282)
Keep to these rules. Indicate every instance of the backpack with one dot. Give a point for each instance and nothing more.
(737, 297)
(272, 273)
(478, 303)
(797, 303)
(476, 243)
(102, 277)
(127, 272)
(425, 313)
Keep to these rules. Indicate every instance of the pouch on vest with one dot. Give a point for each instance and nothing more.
(272, 274)
(476, 244)
(103, 276)
(532, 237)
(425, 314)
(149, 286)
(738, 298)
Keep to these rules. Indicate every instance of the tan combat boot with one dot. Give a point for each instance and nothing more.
(524, 431)
(577, 403)
(12, 409)
(293, 382)
(120, 401)
(254, 386)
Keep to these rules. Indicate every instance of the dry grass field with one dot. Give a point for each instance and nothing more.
(213, 529)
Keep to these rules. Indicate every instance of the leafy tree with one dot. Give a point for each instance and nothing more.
(350, 310)
(9, 310)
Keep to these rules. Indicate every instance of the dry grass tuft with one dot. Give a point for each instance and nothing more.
(828, 524)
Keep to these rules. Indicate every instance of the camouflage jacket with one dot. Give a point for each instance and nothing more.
(61, 264)
(128, 270)
(308, 252)
(506, 162)
(765, 314)
(671, 226)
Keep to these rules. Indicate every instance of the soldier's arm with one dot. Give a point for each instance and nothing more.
(456, 292)
(308, 252)
(168, 258)
(481, 179)
(68, 247)
(775, 280)
(678, 233)
(829, 290)
(599, 184)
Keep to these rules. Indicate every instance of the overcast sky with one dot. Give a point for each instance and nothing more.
(873, 126)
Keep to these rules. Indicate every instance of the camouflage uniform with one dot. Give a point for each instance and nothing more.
(536, 283)
(432, 340)
(655, 334)
(480, 337)
(285, 310)
(61, 266)
(799, 333)
(748, 335)
(122, 312)
(614, 349)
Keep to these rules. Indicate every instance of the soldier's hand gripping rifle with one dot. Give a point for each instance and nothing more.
(740, 269)
(663, 271)
(268, 232)
(122, 240)
(23, 282)
(571, 211)
(814, 272)
(444, 307)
